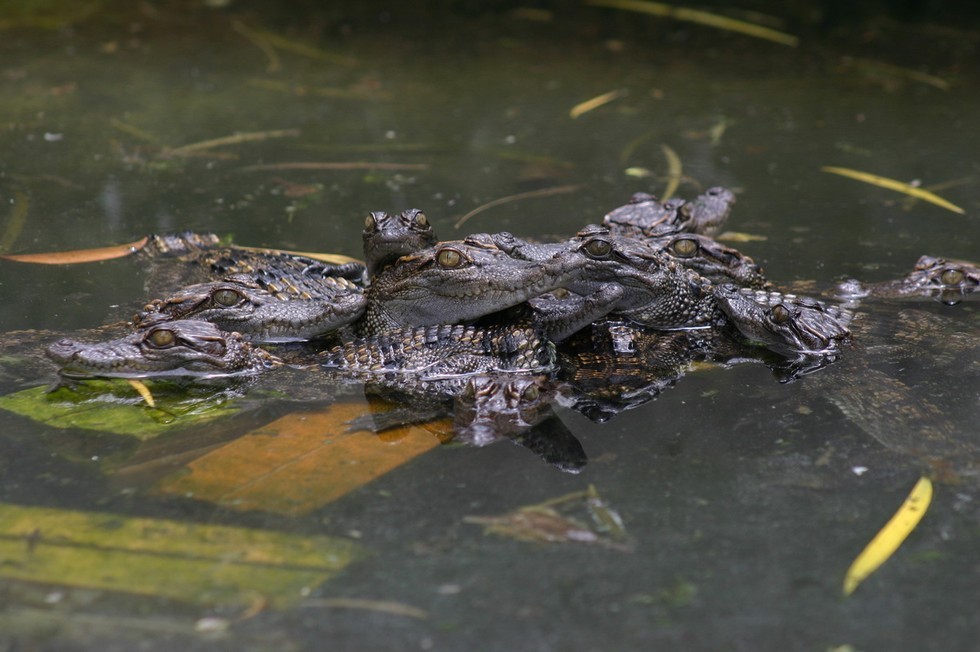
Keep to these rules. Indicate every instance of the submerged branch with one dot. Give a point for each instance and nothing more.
(544, 192)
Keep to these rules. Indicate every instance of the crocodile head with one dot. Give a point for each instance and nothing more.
(657, 291)
(645, 216)
(711, 259)
(945, 279)
(388, 237)
(177, 348)
(461, 280)
(262, 309)
(785, 323)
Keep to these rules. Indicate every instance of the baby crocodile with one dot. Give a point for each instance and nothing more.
(944, 279)
(263, 308)
(646, 217)
(177, 348)
(622, 276)
(389, 237)
(199, 258)
(785, 323)
(459, 281)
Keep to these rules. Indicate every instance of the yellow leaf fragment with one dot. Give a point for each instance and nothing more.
(637, 172)
(674, 170)
(333, 259)
(143, 390)
(892, 184)
(595, 102)
(701, 18)
(196, 563)
(890, 537)
(739, 236)
(80, 255)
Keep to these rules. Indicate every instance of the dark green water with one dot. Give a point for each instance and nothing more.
(740, 492)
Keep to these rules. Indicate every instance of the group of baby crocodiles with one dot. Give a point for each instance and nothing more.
(493, 327)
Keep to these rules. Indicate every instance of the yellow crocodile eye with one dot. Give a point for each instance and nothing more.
(449, 258)
(685, 247)
(370, 223)
(780, 314)
(161, 338)
(598, 248)
(530, 393)
(225, 297)
(952, 277)
(420, 220)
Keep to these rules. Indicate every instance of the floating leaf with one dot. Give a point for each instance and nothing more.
(595, 102)
(299, 462)
(892, 184)
(80, 255)
(890, 537)
(674, 171)
(739, 236)
(113, 406)
(204, 564)
(699, 17)
(578, 517)
(142, 390)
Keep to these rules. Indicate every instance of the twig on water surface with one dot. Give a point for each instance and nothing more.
(543, 192)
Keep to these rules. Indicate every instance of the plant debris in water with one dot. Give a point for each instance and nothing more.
(578, 517)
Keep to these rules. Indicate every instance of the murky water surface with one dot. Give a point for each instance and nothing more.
(743, 500)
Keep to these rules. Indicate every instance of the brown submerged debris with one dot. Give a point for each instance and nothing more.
(578, 517)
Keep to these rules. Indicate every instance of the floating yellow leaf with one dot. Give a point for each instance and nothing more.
(299, 462)
(674, 171)
(890, 537)
(892, 184)
(143, 390)
(739, 236)
(205, 564)
(699, 17)
(333, 259)
(79, 255)
(595, 102)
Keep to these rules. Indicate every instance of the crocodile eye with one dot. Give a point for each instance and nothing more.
(370, 223)
(161, 338)
(449, 258)
(420, 220)
(225, 297)
(952, 277)
(598, 248)
(780, 314)
(685, 247)
(530, 393)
